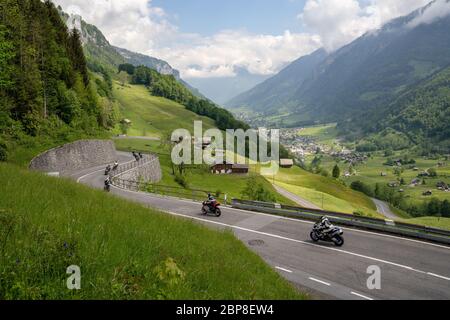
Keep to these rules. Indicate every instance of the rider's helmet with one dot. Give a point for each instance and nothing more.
(324, 219)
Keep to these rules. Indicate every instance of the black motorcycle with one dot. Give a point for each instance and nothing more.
(211, 208)
(335, 235)
(107, 170)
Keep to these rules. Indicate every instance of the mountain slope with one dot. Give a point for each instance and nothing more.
(371, 72)
(97, 48)
(138, 59)
(422, 114)
(274, 92)
(101, 54)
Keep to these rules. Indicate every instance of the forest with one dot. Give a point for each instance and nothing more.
(46, 88)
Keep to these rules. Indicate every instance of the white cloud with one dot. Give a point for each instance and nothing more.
(221, 54)
(139, 26)
(339, 22)
(439, 9)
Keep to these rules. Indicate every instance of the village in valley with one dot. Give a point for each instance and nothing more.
(421, 177)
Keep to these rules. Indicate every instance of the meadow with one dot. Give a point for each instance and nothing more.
(324, 192)
(154, 116)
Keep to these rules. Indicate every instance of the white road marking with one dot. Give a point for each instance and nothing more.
(311, 223)
(320, 281)
(285, 238)
(283, 269)
(360, 295)
(438, 276)
(307, 243)
(101, 170)
(89, 174)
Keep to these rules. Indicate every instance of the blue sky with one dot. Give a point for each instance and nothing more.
(208, 17)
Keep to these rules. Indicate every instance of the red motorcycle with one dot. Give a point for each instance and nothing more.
(211, 208)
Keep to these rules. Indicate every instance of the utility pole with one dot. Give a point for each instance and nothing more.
(322, 201)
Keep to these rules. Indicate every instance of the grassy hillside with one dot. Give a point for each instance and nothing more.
(153, 116)
(125, 251)
(316, 188)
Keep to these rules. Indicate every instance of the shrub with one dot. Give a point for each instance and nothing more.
(3, 152)
(362, 187)
(336, 172)
(255, 191)
(181, 180)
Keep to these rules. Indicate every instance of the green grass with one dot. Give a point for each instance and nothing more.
(324, 134)
(312, 187)
(441, 223)
(153, 116)
(23, 149)
(125, 250)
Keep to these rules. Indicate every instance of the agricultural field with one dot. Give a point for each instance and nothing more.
(323, 134)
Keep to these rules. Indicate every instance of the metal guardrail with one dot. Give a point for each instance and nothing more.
(178, 192)
(387, 226)
(130, 165)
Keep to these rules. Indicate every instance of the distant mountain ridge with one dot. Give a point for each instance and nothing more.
(99, 50)
(138, 59)
(352, 83)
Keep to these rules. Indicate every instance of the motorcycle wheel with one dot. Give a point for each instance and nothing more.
(314, 237)
(338, 241)
(204, 211)
(218, 212)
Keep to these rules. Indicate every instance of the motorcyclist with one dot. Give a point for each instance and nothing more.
(116, 165)
(211, 201)
(107, 183)
(108, 170)
(324, 225)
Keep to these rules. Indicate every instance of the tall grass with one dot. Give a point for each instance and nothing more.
(124, 250)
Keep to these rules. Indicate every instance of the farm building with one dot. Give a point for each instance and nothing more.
(286, 163)
(230, 168)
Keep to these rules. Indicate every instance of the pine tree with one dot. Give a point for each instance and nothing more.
(77, 54)
(336, 172)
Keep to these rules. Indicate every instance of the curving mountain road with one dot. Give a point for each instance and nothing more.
(410, 269)
(384, 209)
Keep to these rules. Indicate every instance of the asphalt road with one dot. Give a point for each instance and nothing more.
(384, 209)
(410, 269)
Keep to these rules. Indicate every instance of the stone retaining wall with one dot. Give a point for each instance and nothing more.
(75, 156)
